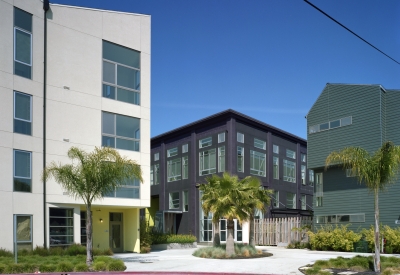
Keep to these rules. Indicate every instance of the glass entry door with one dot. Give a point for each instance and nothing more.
(237, 231)
(116, 241)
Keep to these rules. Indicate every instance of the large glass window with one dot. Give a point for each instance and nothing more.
(311, 177)
(121, 132)
(185, 201)
(275, 170)
(221, 159)
(22, 171)
(83, 228)
(121, 73)
(174, 169)
(22, 113)
(303, 174)
(22, 43)
(257, 163)
(156, 176)
(290, 154)
(207, 162)
(23, 224)
(291, 200)
(61, 226)
(205, 142)
(130, 189)
(174, 200)
(258, 143)
(289, 171)
(240, 159)
(185, 167)
(172, 152)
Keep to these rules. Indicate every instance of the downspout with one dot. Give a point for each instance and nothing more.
(46, 6)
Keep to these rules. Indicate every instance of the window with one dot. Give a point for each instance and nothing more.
(350, 173)
(319, 189)
(156, 156)
(240, 159)
(275, 149)
(22, 113)
(290, 154)
(303, 202)
(185, 167)
(22, 43)
(174, 200)
(330, 125)
(129, 189)
(83, 228)
(185, 148)
(303, 174)
(22, 171)
(174, 170)
(291, 200)
(151, 175)
(172, 152)
(276, 199)
(156, 174)
(311, 177)
(240, 137)
(121, 73)
(207, 162)
(23, 224)
(185, 201)
(121, 132)
(275, 168)
(258, 143)
(205, 142)
(61, 226)
(221, 159)
(257, 163)
(221, 137)
(289, 171)
(303, 157)
(342, 218)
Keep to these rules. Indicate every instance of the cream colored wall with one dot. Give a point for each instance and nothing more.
(74, 60)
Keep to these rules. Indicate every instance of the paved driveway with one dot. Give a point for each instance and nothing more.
(283, 261)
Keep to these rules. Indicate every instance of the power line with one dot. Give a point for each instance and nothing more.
(343, 26)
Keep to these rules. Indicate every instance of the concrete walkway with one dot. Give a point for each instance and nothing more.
(283, 261)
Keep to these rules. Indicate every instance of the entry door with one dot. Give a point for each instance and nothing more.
(116, 233)
(237, 231)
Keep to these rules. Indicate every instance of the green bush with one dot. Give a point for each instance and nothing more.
(116, 265)
(219, 252)
(47, 268)
(15, 268)
(5, 253)
(75, 249)
(82, 267)
(145, 249)
(298, 245)
(65, 267)
(99, 266)
(161, 238)
(3, 268)
(105, 259)
(56, 251)
(41, 251)
(337, 238)
(391, 235)
(102, 252)
(145, 234)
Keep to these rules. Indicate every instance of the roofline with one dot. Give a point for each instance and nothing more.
(92, 9)
(223, 113)
(352, 84)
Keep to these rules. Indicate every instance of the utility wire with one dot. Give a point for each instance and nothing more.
(337, 22)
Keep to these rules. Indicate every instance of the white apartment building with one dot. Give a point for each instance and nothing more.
(70, 76)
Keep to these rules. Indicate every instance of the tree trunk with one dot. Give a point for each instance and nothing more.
(89, 236)
(252, 241)
(230, 244)
(377, 257)
(216, 239)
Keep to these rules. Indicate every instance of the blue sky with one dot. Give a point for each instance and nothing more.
(269, 59)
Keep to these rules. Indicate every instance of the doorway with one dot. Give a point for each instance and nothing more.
(116, 233)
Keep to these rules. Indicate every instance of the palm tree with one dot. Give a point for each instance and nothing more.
(375, 171)
(230, 198)
(90, 176)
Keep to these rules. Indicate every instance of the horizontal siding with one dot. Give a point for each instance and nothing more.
(392, 116)
(362, 102)
(344, 195)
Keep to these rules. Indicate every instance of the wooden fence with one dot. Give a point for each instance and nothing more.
(281, 231)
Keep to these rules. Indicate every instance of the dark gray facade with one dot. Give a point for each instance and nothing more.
(368, 116)
(228, 124)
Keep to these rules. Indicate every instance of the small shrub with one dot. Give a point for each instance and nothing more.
(339, 263)
(5, 253)
(56, 251)
(3, 268)
(75, 249)
(161, 238)
(105, 259)
(116, 265)
(41, 251)
(23, 252)
(102, 252)
(145, 249)
(65, 267)
(100, 266)
(82, 267)
(47, 268)
(145, 234)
